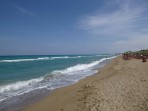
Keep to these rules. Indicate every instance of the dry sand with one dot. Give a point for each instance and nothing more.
(119, 86)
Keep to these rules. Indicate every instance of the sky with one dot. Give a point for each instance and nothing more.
(42, 27)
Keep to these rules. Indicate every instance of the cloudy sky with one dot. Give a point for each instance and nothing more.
(72, 26)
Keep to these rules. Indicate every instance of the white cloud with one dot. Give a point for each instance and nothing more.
(127, 20)
(120, 21)
(133, 43)
(21, 9)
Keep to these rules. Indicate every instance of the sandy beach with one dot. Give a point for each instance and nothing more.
(122, 85)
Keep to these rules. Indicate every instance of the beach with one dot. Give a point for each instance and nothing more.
(27, 79)
(74, 55)
(122, 85)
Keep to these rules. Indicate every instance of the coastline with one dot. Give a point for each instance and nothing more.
(120, 85)
(71, 76)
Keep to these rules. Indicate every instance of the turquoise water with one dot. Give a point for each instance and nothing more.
(22, 74)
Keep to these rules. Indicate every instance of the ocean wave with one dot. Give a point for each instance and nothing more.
(48, 58)
(74, 57)
(23, 60)
(18, 85)
(69, 70)
(52, 80)
(80, 67)
(62, 57)
(66, 57)
(40, 58)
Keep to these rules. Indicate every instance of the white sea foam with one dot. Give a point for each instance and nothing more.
(66, 57)
(21, 87)
(76, 68)
(23, 60)
(47, 58)
(69, 70)
(80, 67)
(41, 58)
(18, 85)
(62, 57)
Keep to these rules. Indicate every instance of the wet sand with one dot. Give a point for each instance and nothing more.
(119, 86)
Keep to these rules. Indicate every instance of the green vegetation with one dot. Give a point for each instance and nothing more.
(142, 54)
(137, 52)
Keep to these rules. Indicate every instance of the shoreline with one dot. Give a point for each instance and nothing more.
(16, 103)
(119, 85)
(56, 92)
(49, 93)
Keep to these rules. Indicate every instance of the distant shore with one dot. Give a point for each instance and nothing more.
(122, 85)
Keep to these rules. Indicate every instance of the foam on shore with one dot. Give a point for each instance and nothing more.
(119, 86)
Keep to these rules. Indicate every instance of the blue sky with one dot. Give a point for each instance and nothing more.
(72, 26)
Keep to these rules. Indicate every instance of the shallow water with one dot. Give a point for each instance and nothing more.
(25, 77)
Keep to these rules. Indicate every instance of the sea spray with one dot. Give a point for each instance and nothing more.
(52, 80)
(25, 60)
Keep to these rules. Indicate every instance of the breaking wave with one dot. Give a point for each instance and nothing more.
(23, 60)
(73, 73)
(47, 58)
(40, 58)
(67, 57)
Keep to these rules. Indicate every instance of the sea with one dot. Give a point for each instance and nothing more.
(23, 79)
